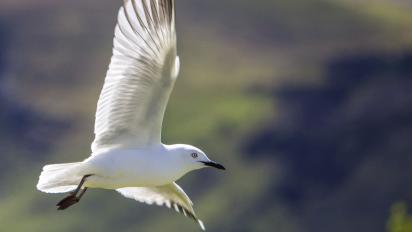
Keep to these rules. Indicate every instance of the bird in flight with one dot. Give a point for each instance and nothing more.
(127, 152)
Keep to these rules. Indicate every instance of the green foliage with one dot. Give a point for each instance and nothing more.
(399, 220)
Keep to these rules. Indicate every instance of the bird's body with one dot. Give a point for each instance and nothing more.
(117, 168)
(127, 152)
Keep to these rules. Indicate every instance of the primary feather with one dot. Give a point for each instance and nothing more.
(140, 78)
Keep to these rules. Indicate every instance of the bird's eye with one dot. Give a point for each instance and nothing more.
(194, 155)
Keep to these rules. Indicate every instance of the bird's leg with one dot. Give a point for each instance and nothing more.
(72, 198)
(81, 193)
(80, 184)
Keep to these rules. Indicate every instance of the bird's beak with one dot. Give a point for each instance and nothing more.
(213, 165)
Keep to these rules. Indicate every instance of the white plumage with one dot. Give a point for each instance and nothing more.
(127, 152)
(140, 78)
(170, 195)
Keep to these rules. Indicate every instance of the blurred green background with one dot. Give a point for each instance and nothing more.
(307, 103)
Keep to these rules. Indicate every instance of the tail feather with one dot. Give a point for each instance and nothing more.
(59, 178)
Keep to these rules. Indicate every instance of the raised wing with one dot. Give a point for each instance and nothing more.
(170, 195)
(141, 76)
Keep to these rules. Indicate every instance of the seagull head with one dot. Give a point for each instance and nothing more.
(195, 158)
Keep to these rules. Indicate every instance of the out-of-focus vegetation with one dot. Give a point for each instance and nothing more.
(307, 103)
(400, 220)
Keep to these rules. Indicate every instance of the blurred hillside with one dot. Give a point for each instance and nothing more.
(307, 103)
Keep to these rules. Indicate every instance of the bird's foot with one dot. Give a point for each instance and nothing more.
(67, 202)
(73, 198)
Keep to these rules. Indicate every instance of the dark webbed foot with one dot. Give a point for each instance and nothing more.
(72, 198)
(67, 202)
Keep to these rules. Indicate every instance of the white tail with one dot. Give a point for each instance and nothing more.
(59, 178)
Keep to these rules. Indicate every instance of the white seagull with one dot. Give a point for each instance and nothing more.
(127, 152)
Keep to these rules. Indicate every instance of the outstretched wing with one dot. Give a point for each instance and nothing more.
(141, 76)
(170, 195)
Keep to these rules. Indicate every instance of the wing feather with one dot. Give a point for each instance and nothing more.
(171, 196)
(140, 78)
